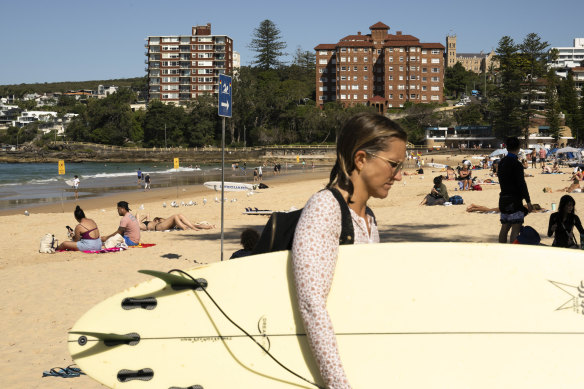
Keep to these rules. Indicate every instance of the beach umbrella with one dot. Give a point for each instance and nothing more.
(498, 152)
(567, 150)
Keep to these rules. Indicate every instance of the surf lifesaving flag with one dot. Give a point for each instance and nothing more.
(176, 164)
(61, 166)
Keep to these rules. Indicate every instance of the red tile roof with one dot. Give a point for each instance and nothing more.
(357, 38)
(379, 26)
(433, 46)
(391, 37)
(578, 69)
(326, 46)
(355, 44)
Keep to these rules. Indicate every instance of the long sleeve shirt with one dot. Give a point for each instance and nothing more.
(314, 257)
(512, 181)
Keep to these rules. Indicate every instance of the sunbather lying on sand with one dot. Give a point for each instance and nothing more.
(177, 221)
(482, 209)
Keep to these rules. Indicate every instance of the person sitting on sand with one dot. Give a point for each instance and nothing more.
(546, 170)
(129, 228)
(176, 221)
(438, 194)
(482, 209)
(562, 223)
(249, 238)
(578, 174)
(556, 168)
(573, 188)
(85, 237)
(465, 176)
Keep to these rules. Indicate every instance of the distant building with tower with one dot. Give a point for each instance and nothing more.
(473, 62)
(182, 67)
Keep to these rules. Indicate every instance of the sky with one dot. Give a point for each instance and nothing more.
(80, 40)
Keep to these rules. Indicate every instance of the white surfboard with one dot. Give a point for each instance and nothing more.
(70, 182)
(406, 315)
(230, 186)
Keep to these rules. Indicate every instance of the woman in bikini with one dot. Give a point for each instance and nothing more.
(85, 237)
(175, 221)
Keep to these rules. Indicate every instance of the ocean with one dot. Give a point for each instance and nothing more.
(25, 184)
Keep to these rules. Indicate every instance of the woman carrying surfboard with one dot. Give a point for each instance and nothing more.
(370, 153)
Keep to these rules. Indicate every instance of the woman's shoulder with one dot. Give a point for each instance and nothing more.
(324, 196)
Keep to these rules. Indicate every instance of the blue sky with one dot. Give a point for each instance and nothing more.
(78, 40)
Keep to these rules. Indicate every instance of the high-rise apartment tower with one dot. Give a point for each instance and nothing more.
(182, 67)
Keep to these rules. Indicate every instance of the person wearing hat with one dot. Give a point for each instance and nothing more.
(129, 226)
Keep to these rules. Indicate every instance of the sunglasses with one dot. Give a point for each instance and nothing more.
(396, 166)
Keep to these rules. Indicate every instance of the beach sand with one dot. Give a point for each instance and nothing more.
(45, 294)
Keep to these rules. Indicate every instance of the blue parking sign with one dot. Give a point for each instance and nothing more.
(224, 95)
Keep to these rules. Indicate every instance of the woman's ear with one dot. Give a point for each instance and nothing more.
(360, 158)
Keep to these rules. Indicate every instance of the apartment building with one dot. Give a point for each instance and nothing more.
(569, 57)
(379, 69)
(183, 67)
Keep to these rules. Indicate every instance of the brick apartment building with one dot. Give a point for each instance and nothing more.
(379, 69)
(183, 67)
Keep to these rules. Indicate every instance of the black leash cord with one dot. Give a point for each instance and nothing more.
(244, 331)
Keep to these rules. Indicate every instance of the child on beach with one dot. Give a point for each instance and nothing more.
(562, 223)
(370, 153)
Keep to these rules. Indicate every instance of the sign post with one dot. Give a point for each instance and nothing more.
(224, 107)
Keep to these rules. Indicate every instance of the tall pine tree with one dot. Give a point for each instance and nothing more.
(268, 45)
(552, 106)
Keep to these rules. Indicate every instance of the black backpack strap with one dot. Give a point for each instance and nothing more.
(347, 231)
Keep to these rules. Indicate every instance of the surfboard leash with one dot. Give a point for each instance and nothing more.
(244, 331)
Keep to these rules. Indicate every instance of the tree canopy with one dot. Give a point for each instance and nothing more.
(268, 45)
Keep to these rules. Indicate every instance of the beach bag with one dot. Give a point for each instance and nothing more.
(114, 241)
(528, 235)
(48, 244)
(477, 187)
(278, 233)
(456, 200)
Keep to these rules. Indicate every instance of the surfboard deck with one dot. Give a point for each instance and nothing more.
(438, 315)
(230, 186)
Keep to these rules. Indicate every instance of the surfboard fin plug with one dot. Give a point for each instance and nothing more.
(177, 282)
(109, 340)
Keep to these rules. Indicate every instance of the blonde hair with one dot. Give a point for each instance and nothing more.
(364, 131)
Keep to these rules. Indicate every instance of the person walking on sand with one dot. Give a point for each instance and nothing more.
(76, 187)
(513, 191)
(371, 150)
(129, 226)
(139, 176)
(147, 182)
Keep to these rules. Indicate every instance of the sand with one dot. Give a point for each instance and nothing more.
(44, 294)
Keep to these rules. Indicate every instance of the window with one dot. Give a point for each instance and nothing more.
(424, 79)
(435, 79)
(205, 63)
(354, 97)
(401, 49)
(424, 60)
(364, 87)
(321, 70)
(354, 68)
(435, 70)
(378, 51)
(412, 77)
(322, 61)
(343, 49)
(391, 87)
(355, 78)
(390, 78)
(412, 96)
(391, 96)
(424, 51)
(365, 97)
(401, 68)
(435, 60)
(322, 88)
(435, 51)
(343, 87)
(343, 68)
(390, 59)
(424, 97)
(354, 87)
(401, 87)
(391, 68)
(424, 70)
(391, 49)
(169, 87)
(323, 79)
(365, 78)
(434, 97)
(401, 59)
(205, 87)
(322, 97)
(366, 68)
(401, 96)
(343, 97)
(323, 52)
(343, 78)
(435, 88)
(401, 78)
(170, 95)
(343, 59)
(365, 59)
(354, 59)
(424, 88)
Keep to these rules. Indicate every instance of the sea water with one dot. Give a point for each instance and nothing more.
(23, 184)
